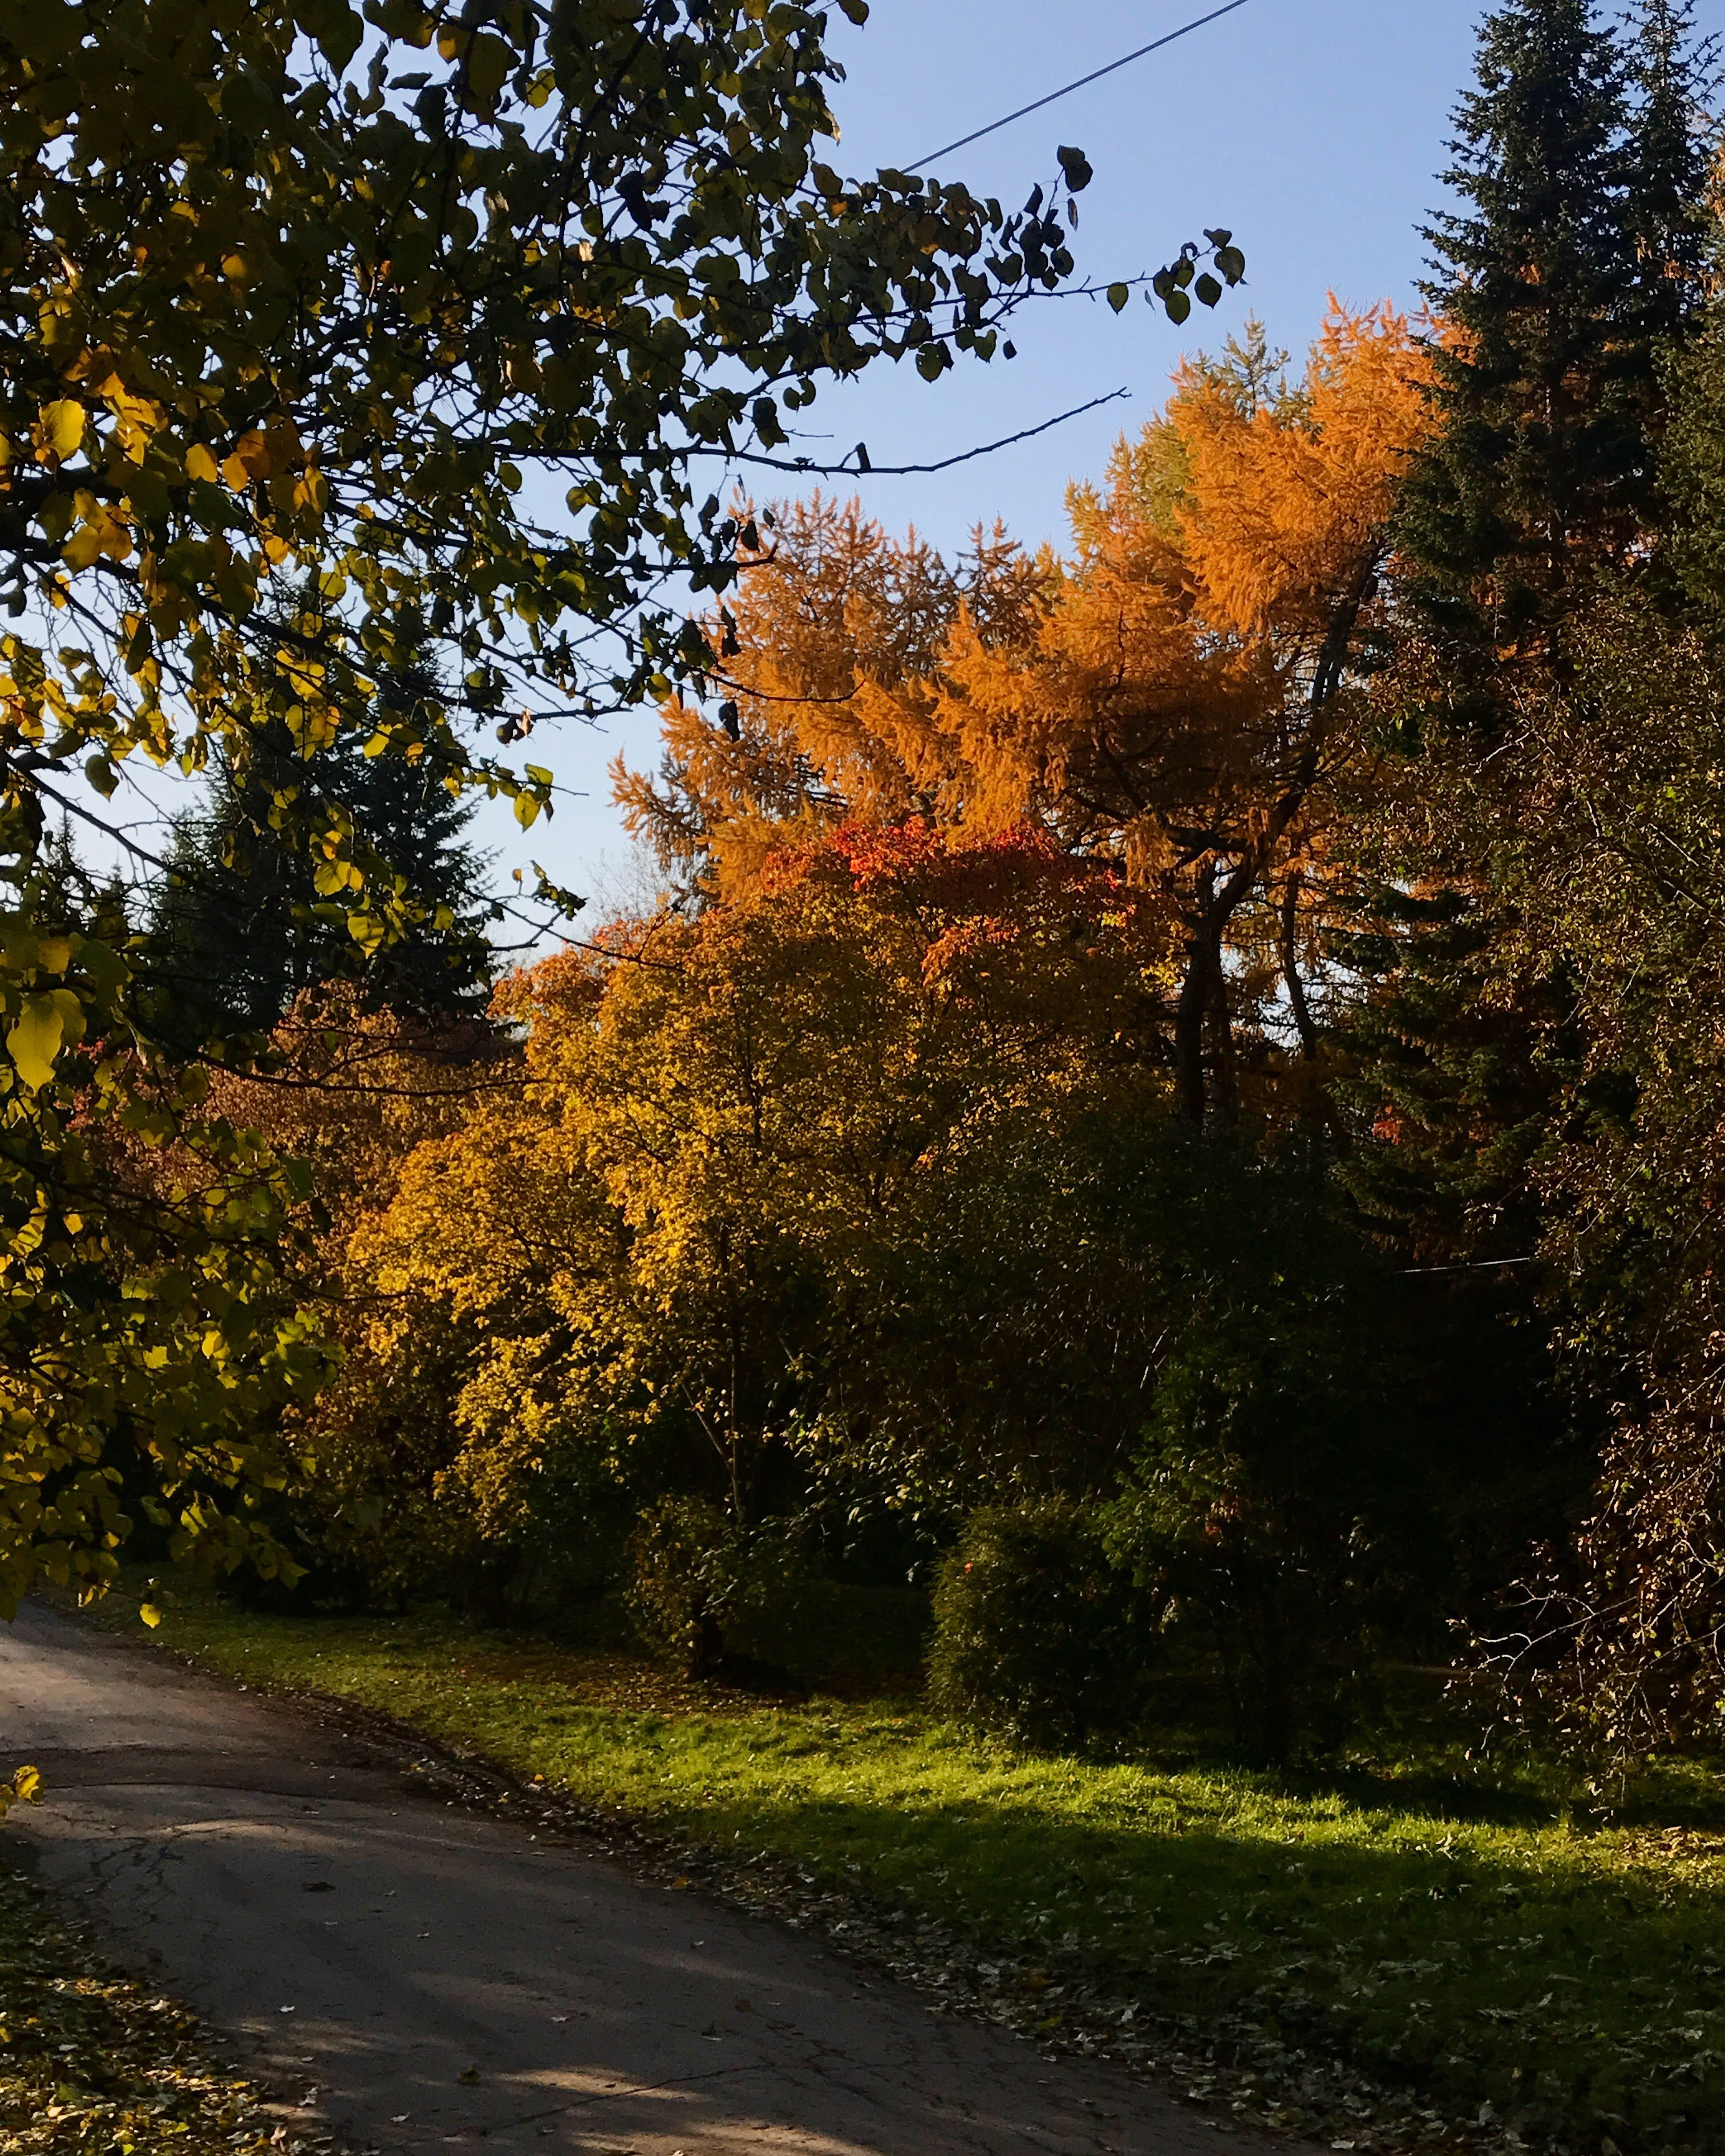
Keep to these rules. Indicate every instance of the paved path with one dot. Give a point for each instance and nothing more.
(412, 1975)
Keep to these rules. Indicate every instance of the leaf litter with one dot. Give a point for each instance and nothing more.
(93, 2062)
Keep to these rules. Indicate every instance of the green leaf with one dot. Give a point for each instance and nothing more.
(333, 27)
(103, 966)
(1179, 307)
(101, 775)
(488, 62)
(1231, 264)
(1118, 295)
(1208, 290)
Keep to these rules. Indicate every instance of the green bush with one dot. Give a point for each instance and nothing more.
(1036, 1634)
(725, 1598)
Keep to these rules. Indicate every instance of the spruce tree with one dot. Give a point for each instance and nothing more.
(1573, 267)
(239, 928)
(1668, 188)
(1569, 284)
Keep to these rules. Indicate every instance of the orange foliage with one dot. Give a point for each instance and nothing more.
(1177, 698)
(1286, 504)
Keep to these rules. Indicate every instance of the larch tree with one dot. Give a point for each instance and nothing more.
(1173, 702)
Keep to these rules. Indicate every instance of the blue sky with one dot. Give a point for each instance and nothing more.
(1313, 128)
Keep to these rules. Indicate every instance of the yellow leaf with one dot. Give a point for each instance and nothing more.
(250, 460)
(26, 1784)
(83, 547)
(201, 463)
(37, 1033)
(151, 1615)
(34, 1040)
(63, 426)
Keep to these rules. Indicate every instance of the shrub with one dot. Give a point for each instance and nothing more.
(726, 1599)
(1036, 1634)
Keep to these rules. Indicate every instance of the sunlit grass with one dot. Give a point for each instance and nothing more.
(1467, 1939)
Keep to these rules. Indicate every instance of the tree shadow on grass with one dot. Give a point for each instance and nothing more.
(1431, 1958)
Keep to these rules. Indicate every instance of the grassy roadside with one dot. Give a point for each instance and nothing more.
(91, 2062)
(1405, 1952)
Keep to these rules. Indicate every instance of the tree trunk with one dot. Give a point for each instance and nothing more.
(1289, 955)
(1224, 1073)
(1193, 1014)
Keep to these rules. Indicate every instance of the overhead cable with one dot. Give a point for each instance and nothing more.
(1156, 45)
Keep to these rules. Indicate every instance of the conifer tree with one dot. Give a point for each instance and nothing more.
(1572, 266)
(240, 927)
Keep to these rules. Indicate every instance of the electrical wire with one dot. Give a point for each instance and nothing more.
(1156, 45)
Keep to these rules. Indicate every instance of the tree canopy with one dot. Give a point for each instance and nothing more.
(338, 343)
(1177, 701)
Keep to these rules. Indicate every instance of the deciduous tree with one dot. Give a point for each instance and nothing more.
(334, 341)
(1177, 700)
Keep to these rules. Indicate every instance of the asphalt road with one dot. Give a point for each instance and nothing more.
(412, 1975)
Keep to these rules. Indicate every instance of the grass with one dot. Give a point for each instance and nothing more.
(1409, 1947)
(91, 2062)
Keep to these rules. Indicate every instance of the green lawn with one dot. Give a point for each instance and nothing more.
(1402, 1948)
(91, 2064)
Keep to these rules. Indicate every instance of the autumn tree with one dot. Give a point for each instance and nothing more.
(297, 299)
(773, 1210)
(1176, 700)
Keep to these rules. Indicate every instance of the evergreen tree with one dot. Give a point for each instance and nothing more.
(1574, 265)
(1570, 284)
(1669, 189)
(240, 928)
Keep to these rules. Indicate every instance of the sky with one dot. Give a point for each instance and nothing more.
(1313, 129)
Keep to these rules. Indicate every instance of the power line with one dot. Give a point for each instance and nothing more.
(995, 126)
(1156, 45)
